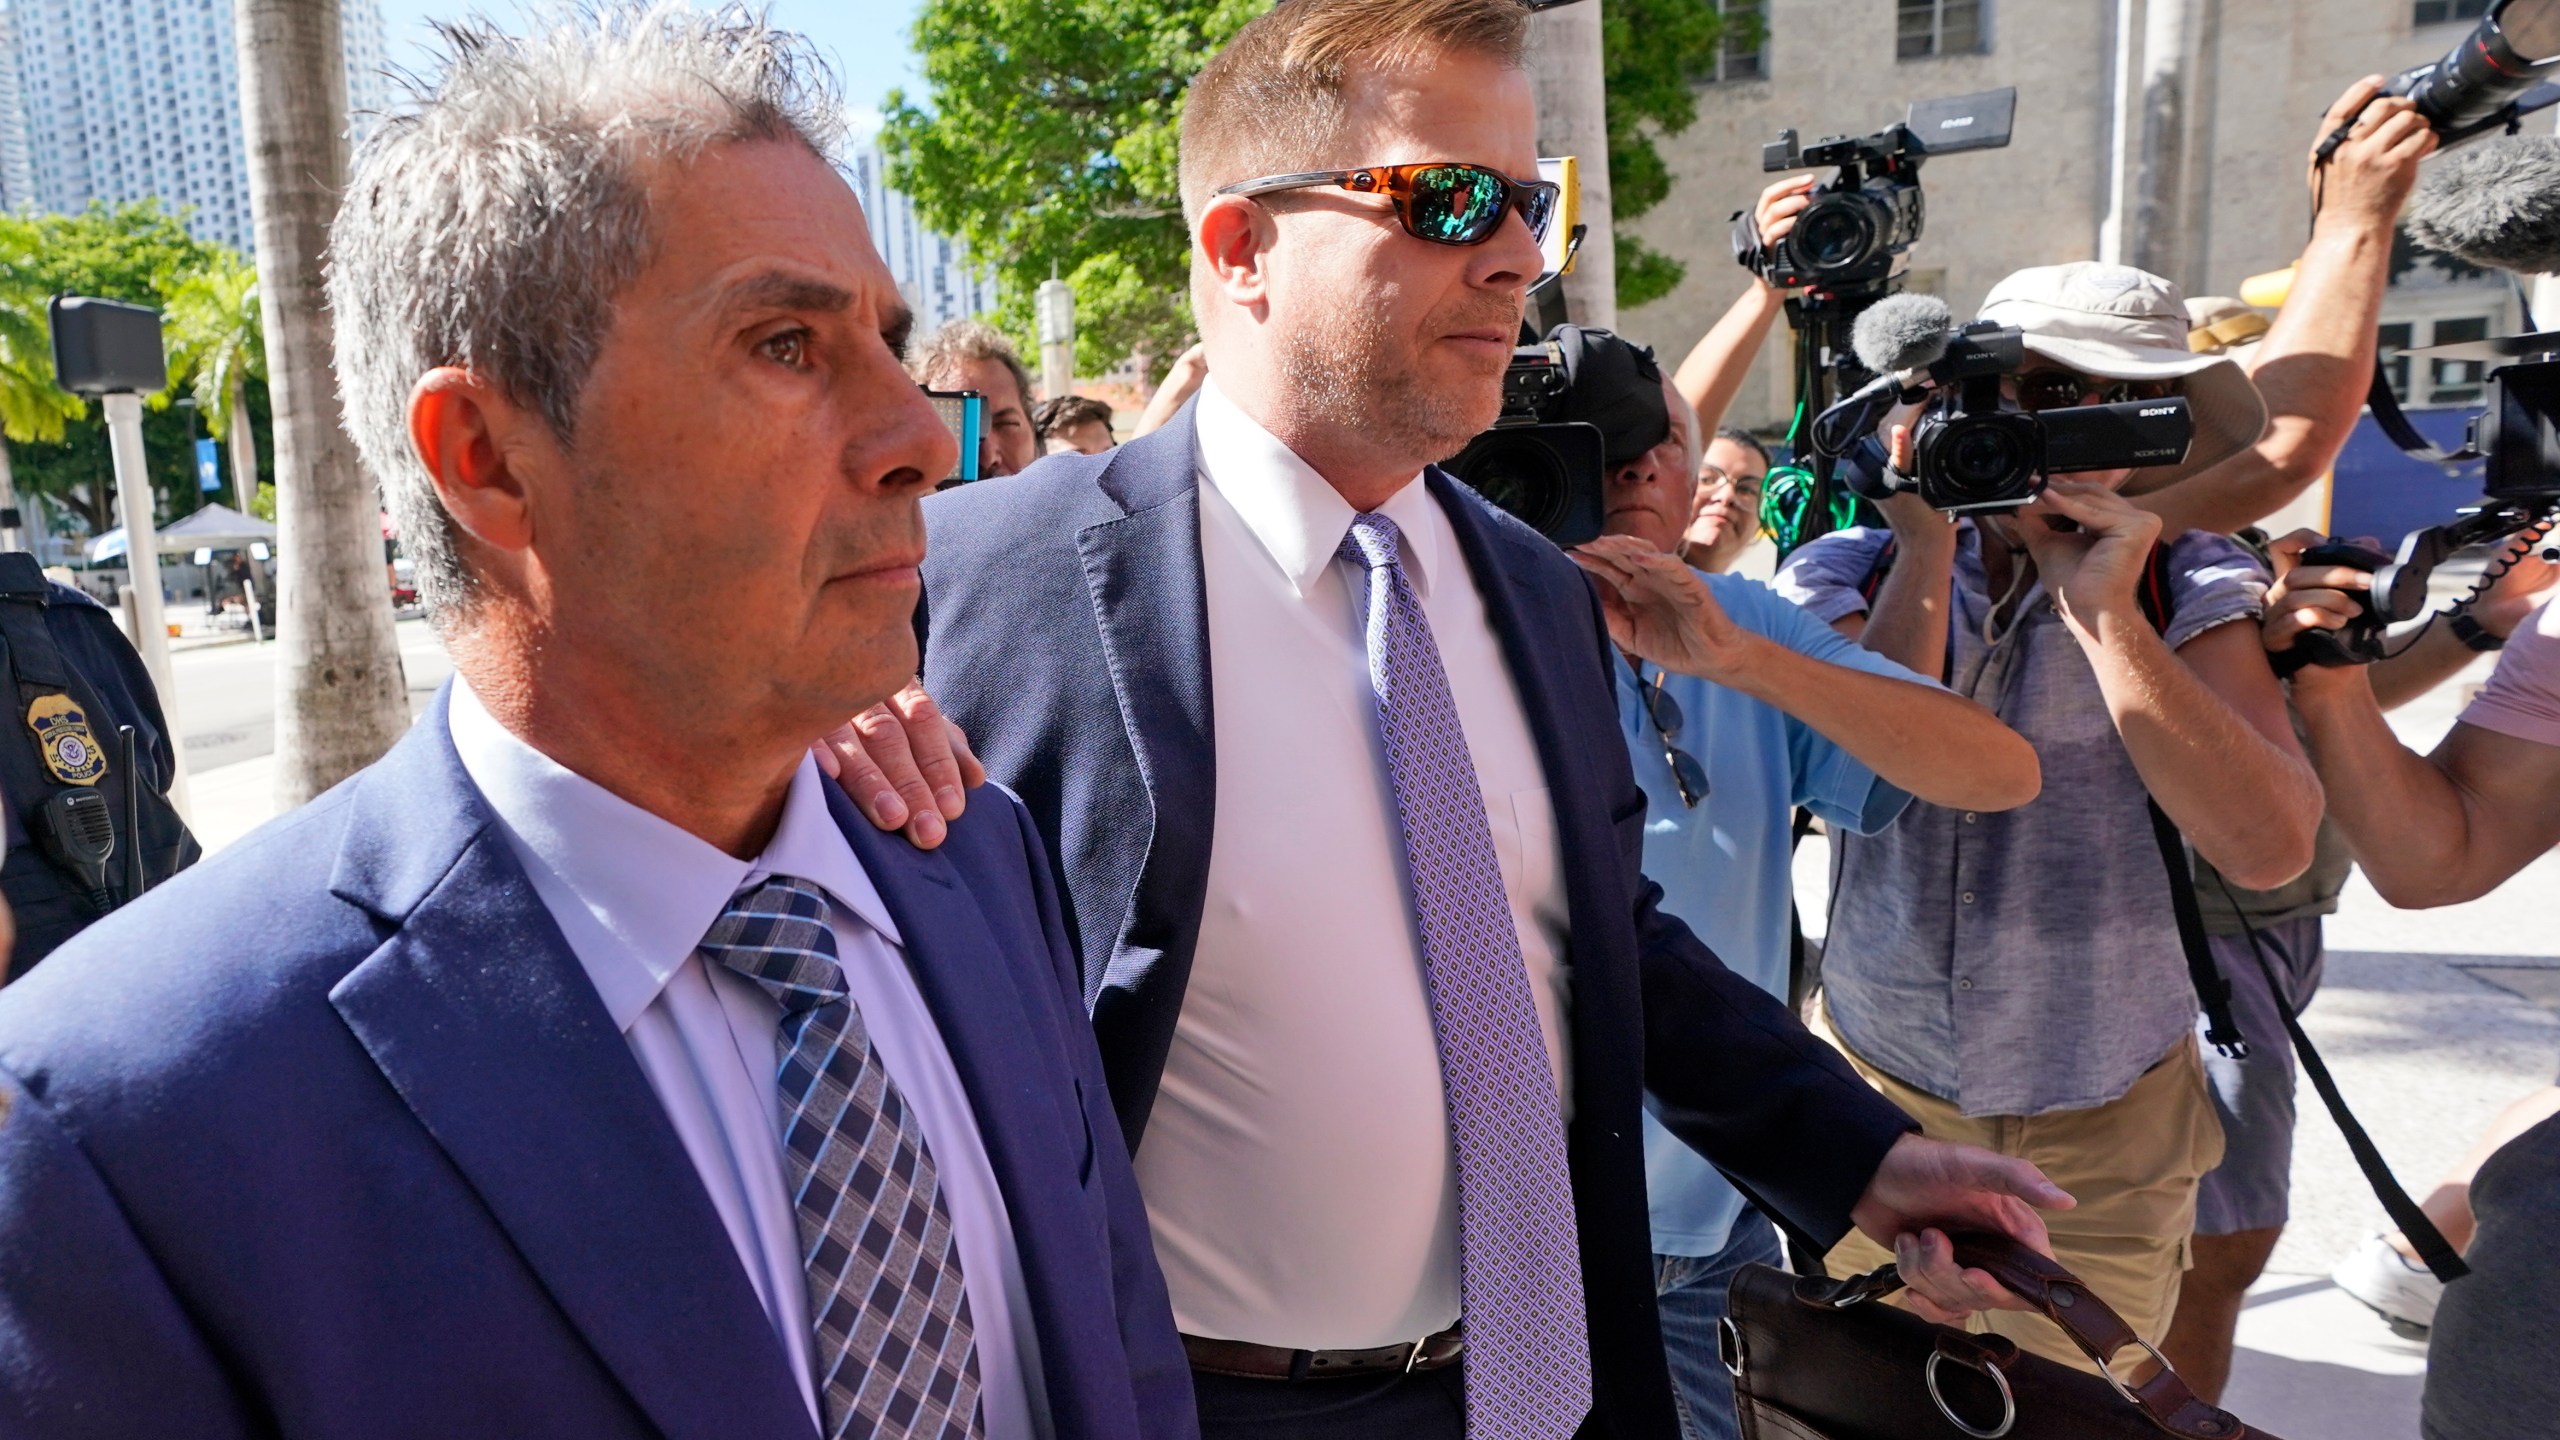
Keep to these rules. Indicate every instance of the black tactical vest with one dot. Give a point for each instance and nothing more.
(70, 681)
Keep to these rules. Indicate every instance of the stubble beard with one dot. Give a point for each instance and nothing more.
(1352, 376)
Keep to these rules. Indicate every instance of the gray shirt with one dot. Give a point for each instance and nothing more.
(2026, 961)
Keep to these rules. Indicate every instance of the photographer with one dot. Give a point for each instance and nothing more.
(1749, 708)
(2019, 979)
(2440, 829)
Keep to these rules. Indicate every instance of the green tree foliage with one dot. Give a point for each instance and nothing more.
(216, 339)
(1049, 148)
(1046, 143)
(1652, 54)
(138, 252)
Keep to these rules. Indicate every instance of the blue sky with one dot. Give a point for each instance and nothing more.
(866, 40)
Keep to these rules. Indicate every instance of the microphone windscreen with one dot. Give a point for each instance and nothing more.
(2495, 204)
(1902, 332)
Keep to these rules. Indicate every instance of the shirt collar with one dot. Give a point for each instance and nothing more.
(1297, 517)
(634, 893)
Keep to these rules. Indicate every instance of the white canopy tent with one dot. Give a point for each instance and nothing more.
(215, 527)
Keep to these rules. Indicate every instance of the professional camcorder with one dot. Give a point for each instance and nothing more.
(1573, 404)
(1973, 448)
(1865, 219)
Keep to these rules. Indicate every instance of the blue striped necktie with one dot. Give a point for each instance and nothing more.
(1528, 1357)
(894, 1352)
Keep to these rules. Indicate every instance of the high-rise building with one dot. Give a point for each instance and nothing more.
(120, 100)
(932, 271)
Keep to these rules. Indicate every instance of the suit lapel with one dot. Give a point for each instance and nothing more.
(482, 1020)
(1505, 566)
(1143, 573)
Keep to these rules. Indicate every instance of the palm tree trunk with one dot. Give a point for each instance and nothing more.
(243, 441)
(340, 696)
(1573, 119)
(10, 536)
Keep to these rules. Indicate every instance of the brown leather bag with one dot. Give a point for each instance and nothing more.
(1816, 1359)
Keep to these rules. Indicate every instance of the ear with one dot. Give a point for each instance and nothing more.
(1235, 240)
(471, 438)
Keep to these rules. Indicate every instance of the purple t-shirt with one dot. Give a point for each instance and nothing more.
(2522, 697)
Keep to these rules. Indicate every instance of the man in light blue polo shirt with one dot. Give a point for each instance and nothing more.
(1796, 715)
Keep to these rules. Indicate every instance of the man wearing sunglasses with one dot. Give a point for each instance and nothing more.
(2018, 979)
(1310, 731)
(1737, 707)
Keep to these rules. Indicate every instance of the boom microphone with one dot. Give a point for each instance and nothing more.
(1902, 334)
(2496, 205)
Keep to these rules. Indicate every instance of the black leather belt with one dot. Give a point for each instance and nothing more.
(1270, 1362)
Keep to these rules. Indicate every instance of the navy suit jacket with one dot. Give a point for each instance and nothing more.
(1066, 631)
(332, 1136)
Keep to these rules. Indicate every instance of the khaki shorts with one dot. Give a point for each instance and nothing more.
(2133, 1164)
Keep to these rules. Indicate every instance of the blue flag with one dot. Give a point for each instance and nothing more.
(208, 474)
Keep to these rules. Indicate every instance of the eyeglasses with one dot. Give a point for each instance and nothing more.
(2060, 389)
(1443, 202)
(1667, 719)
(1712, 476)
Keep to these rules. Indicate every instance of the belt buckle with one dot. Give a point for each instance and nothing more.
(1413, 1356)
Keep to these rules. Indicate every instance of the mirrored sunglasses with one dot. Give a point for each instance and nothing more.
(1443, 202)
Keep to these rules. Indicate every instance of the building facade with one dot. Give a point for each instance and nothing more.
(932, 271)
(2172, 134)
(117, 100)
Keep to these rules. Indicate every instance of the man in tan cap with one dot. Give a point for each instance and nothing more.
(2017, 980)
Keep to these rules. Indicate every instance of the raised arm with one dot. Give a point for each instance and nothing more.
(1712, 374)
(2316, 363)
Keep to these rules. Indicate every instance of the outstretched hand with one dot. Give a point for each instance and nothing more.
(1927, 1187)
(904, 765)
(1659, 610)
(2370, 175)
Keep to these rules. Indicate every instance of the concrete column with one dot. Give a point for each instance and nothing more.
(1565, 67)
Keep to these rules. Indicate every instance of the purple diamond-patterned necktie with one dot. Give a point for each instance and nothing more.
(1528, 1358)
(894, 1349)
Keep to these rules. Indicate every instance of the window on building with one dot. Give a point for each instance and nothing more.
(2457, 382)
(1929, 28)
(2438, 12)
(1743, 51)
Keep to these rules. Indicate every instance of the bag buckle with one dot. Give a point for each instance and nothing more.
(1988, 1366)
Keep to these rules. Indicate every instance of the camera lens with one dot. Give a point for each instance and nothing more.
(1981, 459)
(1526, 477)
(1836, 235)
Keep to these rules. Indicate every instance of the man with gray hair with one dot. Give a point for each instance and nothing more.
(973, 355)
(586, 1067)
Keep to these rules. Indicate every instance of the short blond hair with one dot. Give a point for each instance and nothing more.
(1271, 101)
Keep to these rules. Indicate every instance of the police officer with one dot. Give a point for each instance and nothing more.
(87, 828)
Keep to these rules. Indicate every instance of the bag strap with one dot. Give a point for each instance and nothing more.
(2421, 1233)
(2213, 993)
(2395, 426)
(2062, 1297)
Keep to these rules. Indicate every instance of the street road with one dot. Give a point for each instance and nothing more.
(227, 694)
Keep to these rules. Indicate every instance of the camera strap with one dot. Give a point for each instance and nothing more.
(2415, 1227)
(2385, 407)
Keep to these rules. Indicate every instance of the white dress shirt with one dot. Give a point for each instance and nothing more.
(1297, 1164)
(634, 895)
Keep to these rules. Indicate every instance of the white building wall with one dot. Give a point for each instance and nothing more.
(932, 270)
(131, 99)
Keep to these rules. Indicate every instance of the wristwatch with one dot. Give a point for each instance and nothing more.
(2477, 636)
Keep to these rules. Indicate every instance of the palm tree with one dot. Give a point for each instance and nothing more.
(33, 409)
(340, 697)
(221, 345)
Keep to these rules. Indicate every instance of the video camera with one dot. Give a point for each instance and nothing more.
(1572, 404)
(1975, 449)
(1866, 218)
